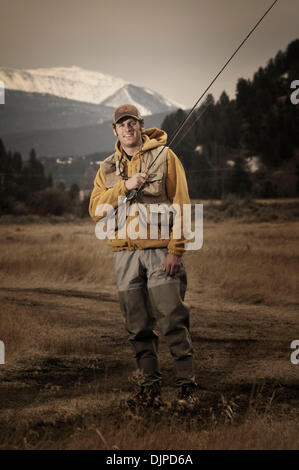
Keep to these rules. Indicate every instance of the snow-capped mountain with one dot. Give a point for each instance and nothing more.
(68, 111)
(72, 83)
(147, 101)
(86, 86)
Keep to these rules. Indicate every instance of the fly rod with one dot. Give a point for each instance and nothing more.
(133, 193)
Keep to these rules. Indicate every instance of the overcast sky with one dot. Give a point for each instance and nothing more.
(172, 46)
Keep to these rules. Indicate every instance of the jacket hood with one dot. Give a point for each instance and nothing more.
(151, 137)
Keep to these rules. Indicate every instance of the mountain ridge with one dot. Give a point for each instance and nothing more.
(73, 83)
(63, 142)
(60, 109)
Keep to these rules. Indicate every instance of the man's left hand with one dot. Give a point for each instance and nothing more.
(172, 264)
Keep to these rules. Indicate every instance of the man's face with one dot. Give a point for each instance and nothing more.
(128, 130)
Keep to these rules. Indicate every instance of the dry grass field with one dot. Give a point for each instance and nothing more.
(68, 361)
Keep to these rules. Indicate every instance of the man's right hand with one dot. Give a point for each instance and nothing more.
(136, 181)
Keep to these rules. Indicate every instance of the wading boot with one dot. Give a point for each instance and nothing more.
(188, 399)
(149, 396)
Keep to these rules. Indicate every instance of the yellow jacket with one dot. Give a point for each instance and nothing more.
(176, 188)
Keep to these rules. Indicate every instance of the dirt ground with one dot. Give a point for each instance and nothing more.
(242, 358)
(68, 363)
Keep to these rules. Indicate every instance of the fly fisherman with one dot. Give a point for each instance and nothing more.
(150, 274)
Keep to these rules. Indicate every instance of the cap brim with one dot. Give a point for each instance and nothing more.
(128, 115)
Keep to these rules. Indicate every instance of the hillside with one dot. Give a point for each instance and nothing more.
(259, 126)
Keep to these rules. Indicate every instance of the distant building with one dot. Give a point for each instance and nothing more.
(64, 161)
(253, 163)
(84, 193)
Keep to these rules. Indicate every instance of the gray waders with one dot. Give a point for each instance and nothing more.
(149, 298)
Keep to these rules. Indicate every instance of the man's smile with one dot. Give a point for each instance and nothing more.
(129, 132)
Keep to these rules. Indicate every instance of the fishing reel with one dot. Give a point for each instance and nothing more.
(132, 194)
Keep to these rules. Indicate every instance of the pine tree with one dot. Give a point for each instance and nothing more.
(74, 192)
(33, 174)
(240, 181)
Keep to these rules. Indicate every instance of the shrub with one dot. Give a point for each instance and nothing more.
(51, 201)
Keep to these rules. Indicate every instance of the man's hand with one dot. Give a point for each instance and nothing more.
(172, 264)
(136, 181)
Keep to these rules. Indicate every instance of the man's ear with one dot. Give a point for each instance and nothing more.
(142, 124)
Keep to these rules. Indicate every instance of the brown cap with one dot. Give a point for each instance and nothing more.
(126, 110)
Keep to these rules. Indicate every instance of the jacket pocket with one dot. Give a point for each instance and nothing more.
(111, 180)
(154, 185)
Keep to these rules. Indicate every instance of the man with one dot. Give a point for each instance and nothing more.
(150, 273)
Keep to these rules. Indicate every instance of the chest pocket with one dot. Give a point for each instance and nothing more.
(111, 179)
(154, 185)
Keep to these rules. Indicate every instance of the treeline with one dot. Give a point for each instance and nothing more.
(248, 145)
(25, 189)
